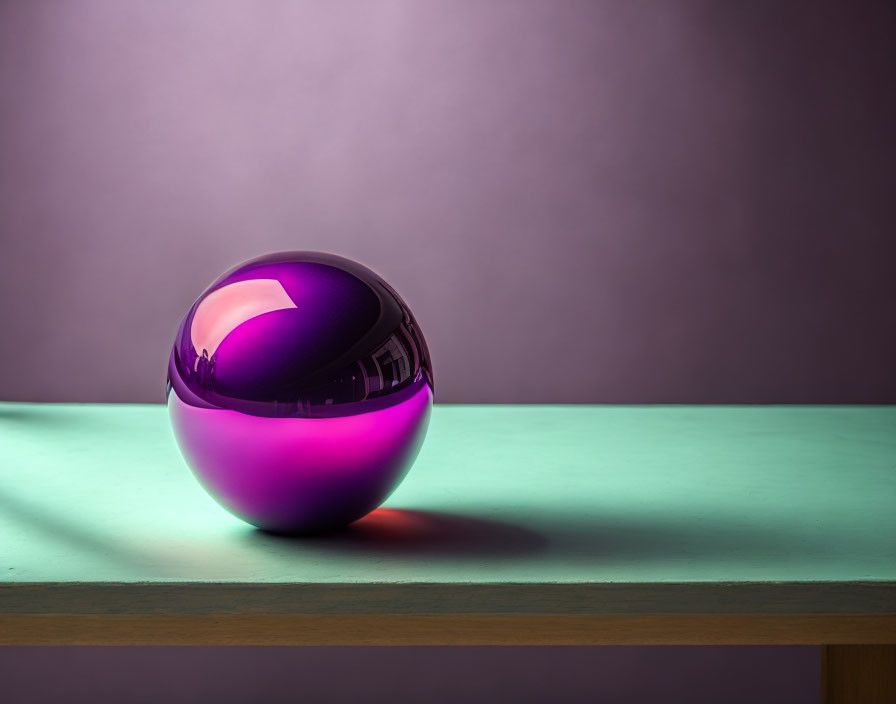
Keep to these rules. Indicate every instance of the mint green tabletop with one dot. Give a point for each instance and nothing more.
(499, 494)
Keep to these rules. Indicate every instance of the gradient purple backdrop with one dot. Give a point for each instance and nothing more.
(429, 675)
(629, 201)
(581, 201)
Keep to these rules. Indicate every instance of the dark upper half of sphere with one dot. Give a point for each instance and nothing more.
(298, 334)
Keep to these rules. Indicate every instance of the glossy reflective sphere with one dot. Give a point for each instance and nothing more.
(299, 391)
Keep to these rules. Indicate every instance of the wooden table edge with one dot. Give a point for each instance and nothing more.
(446, 629)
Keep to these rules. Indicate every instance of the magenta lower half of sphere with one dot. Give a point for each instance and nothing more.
(301, 475)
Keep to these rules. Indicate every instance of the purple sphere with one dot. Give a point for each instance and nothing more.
(299, 390)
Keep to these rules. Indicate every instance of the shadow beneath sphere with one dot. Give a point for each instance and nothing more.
(405, 532)
(580, 545)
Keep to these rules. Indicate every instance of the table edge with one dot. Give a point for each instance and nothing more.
(443, 629)
(598, 598)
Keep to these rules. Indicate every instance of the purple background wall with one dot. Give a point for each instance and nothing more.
(434, 675)
(687, 201)
(582, 201)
